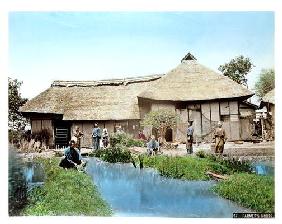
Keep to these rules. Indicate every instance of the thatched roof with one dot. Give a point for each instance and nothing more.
(269, 97)
(191, 81)
(117, 99)
(92, 100)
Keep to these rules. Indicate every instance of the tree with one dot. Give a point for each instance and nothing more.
(16, 120)
(161, 120)
(237, 69)
(266, 82)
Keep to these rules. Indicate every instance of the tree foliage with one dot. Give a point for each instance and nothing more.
(16, 120)
(266, 82)
(161, 120)
(237, 69)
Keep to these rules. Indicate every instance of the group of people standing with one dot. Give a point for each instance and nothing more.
(219, 136)
(97, 134)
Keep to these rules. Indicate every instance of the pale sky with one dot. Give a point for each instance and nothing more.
(44, 47)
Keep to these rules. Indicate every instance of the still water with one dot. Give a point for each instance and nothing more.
(34, 174)
(134, 192)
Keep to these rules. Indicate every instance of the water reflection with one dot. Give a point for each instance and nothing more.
(34, 174)
(263, 168)
(135, 192)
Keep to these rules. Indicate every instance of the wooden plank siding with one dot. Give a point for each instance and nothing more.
(38, 125)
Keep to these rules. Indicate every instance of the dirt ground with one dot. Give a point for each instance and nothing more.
(264, 150)
(230, 148)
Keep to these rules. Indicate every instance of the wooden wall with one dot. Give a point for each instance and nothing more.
(38, 125)
(205, 117)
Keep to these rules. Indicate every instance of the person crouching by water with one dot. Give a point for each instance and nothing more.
(189, 141)
(105, 138)
(152, 146)
(96, 135)
(220, 138)
(72, 157)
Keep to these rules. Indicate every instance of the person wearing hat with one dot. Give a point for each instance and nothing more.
(189, 141)
(96, 135)
(220, 138)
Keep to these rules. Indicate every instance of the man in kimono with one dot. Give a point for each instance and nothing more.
(189, 141)
(220, 138)
(77, 135)
(72, 157)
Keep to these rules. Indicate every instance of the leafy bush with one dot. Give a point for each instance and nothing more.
(119, 153)
(42, 136)
(17, 185)
(201, 154)
(14, 137)
(249, 190)
(125, 140)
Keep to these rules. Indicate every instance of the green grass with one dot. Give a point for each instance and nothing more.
(188, 168)
(250, 190)
(66, 192)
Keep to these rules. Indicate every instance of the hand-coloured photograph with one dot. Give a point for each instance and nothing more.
(142, 114)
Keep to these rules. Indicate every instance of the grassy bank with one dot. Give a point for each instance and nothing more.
(250, 190)
(65, 192)
(188, 168)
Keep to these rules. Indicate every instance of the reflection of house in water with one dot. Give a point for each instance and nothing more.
(190, 90)
(267, 115)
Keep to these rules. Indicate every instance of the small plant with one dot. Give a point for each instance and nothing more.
(42, 136)
(201, 154)
(125, 140)
(119, 153)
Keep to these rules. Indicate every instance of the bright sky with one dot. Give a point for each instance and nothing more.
(44, 47)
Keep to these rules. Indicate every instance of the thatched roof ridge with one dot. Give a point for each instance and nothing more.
(87, 100)
(124, 81)
(269, 97)
(191, 81)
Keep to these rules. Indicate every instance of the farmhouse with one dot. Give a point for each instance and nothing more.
(190, 90)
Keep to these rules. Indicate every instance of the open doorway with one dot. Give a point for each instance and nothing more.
(168, 135)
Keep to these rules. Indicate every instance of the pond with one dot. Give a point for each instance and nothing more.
(134, 192)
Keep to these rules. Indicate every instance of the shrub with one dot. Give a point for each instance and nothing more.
(201, 154)
(42, 136)
(14, 137)
(119, 153)
(125, 140)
